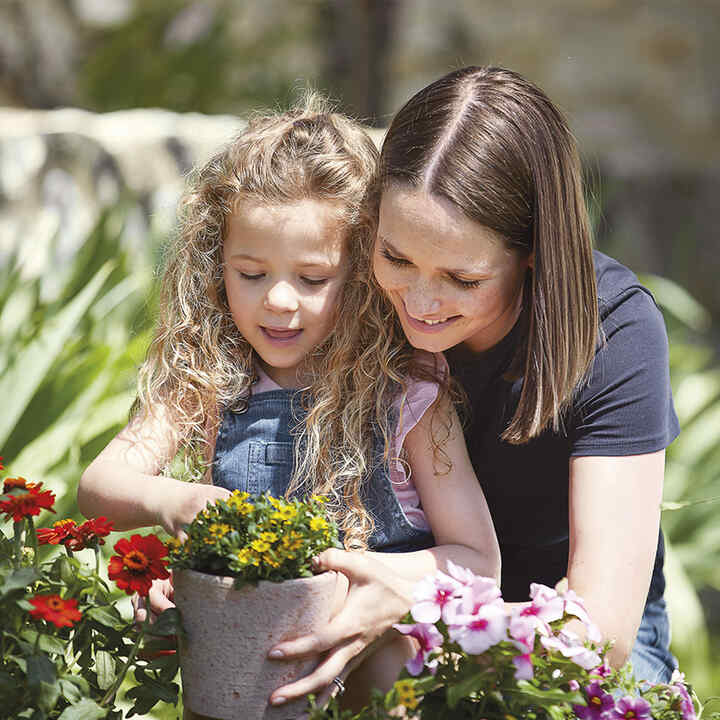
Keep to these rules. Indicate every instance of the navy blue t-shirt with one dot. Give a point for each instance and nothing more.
(624, 407)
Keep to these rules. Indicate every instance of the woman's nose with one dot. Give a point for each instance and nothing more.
(281, 297)
(421, 299)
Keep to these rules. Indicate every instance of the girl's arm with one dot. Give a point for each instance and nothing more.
(124, 482)
(454, 505)
(381, 584)
(614, 518)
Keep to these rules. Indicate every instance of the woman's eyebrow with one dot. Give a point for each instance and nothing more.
(450, 271)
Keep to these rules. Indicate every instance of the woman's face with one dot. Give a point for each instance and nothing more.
(450, 279)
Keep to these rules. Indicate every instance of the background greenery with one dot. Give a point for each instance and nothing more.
(72, 333)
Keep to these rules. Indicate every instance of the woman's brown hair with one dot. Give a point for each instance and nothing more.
(493, 144)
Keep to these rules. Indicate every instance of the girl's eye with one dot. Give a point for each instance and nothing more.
(394, 260)
(468, 284)
(250, 276)
(314, 281)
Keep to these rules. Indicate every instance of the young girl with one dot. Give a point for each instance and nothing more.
(271, 354)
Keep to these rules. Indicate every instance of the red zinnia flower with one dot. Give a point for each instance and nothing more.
(62, 613)
(137, 563)
(27, 503)
(90, 533)
(58, 533)
(2, 467)
(17, 483)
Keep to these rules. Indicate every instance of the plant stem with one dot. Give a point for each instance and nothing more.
(17, 526)
(110, 694)
(30, 532)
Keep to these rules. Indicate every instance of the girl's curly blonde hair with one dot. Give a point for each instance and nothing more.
(199, 364)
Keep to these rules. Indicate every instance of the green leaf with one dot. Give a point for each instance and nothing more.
(21, 380)
(46, 695)
(167, 623)
(40, 670)
(107, 616)
(469, 685)
(19, 579)
(46, 643)
(105, 668)
(84, 710)
(553, 695)
(70, 691)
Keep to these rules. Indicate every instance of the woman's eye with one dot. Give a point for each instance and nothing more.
(394, 260)
(314, 281)
(468, 284)
(251, 276)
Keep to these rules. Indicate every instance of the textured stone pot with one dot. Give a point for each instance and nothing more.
(224, 665)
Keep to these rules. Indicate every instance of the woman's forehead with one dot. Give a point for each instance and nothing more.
(413, 221)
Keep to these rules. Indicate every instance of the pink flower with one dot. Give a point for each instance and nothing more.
(476, 632)
(546, 607)
(629, 708)
(570, 646)
(431, 596)
(604, 670)
(598, 703)
(686, 704)
(463, 575)
(429, 638)
(524, 667)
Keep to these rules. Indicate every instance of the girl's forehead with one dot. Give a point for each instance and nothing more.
(312, 228)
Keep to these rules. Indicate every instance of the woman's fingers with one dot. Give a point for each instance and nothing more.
(331, 667)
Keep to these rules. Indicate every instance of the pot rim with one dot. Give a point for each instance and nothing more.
(229, 580)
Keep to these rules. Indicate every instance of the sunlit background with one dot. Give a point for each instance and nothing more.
(105, 104)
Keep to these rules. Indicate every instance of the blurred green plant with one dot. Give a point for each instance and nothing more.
(71, 338)
(692, 480)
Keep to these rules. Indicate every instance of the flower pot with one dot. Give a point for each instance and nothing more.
(223, 659)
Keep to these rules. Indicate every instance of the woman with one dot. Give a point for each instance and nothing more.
(484, 251)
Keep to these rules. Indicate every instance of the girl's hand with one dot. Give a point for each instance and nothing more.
(376, 598)
(160, 598)
(185, 503)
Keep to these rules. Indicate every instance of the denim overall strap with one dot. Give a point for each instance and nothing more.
(254, 452)
(254, 446)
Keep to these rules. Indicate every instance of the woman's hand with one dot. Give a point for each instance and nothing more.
(186, 501)
(376, 598)
(160, 598)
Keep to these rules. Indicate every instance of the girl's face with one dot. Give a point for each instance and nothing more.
(284, 268)
(450, 279)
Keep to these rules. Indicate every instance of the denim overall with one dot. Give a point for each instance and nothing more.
(254, 453)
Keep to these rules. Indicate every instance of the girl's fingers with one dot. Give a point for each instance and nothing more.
(332, 666)
(332, 635)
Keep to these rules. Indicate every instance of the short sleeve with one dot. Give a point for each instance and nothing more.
(626, 407)
(409, 408)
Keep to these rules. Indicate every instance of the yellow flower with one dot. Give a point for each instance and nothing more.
(272, 562)
(260, 546)
(285, 513)
(319, 498)
(268, 536)
(406, 694)
(174, 543)
(292, 541)
(219, 530)
(244, 556)
(275, 502)
(237, 502)
(318, 523)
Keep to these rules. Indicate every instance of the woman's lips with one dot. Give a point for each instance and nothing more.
(280, 334)
(424, 327)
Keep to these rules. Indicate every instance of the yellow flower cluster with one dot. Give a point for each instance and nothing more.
(238, 501)
(405, 692)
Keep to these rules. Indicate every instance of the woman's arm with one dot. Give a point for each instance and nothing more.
(124, 482)
(614, 508)
(381, 584)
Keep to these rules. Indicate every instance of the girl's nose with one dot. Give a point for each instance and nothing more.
(281, 297)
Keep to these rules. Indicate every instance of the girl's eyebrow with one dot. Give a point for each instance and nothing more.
(450, 271)
(319, 262)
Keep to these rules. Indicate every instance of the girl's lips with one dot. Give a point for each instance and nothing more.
(280, 333)
(424, 327)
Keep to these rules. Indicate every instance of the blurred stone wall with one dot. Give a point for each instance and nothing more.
(637, 79)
